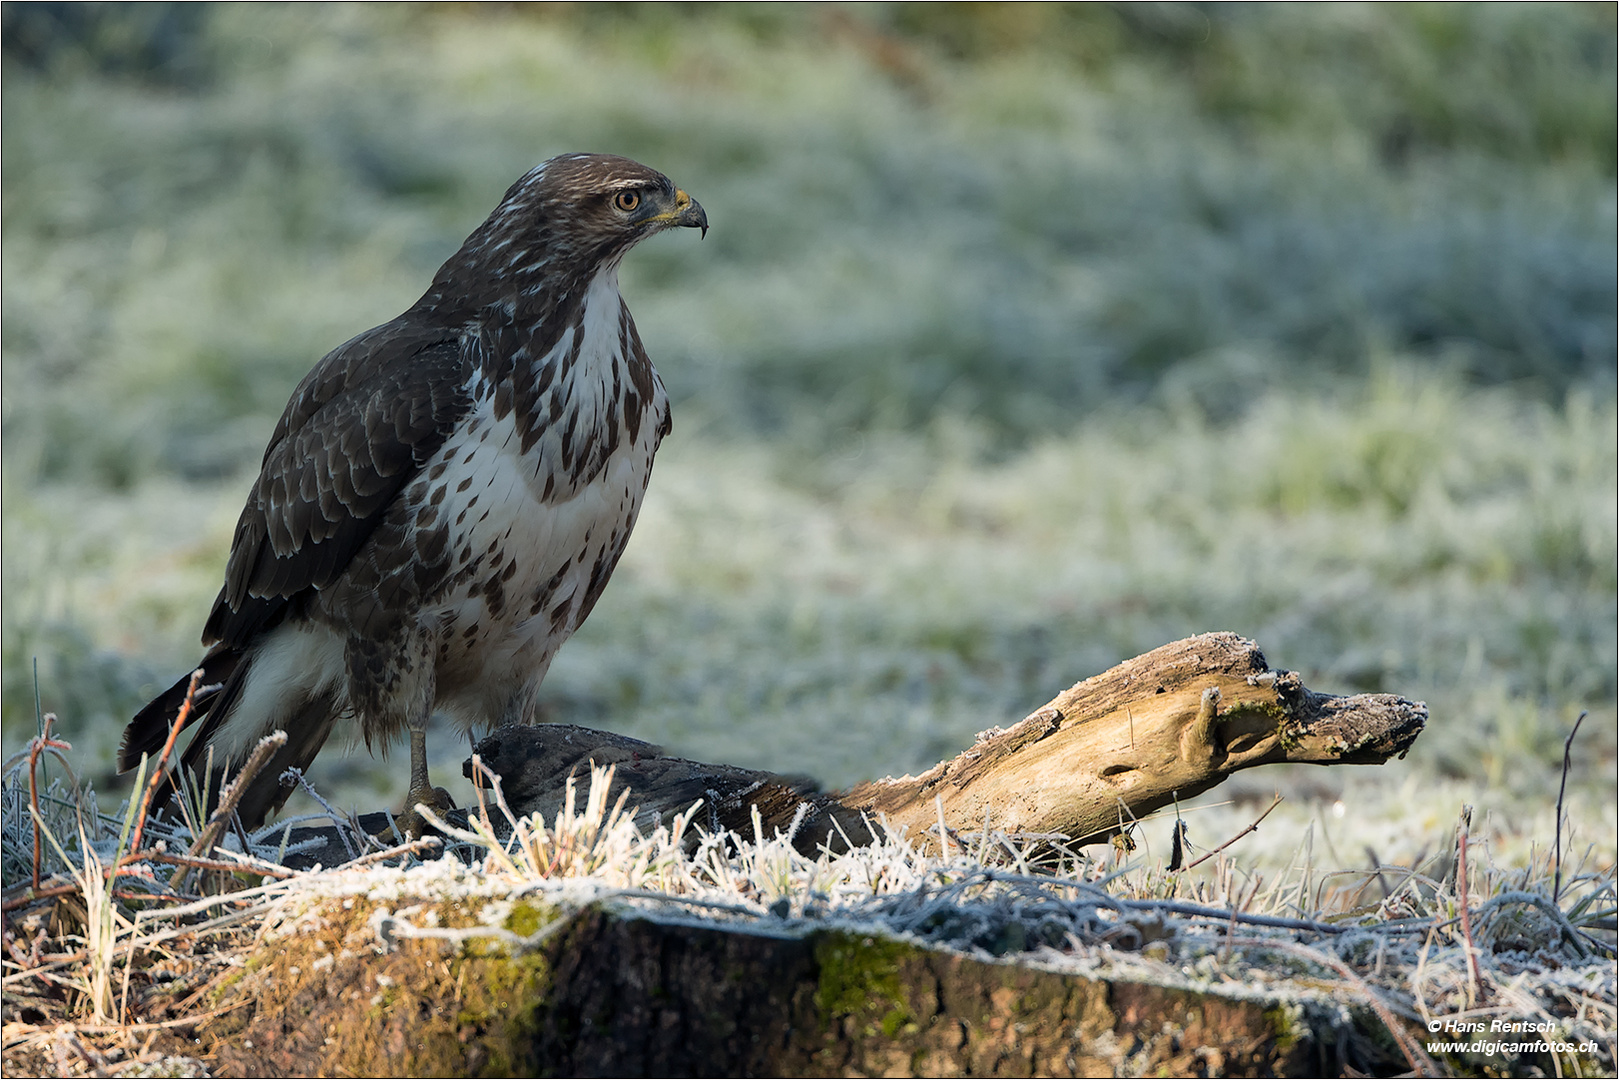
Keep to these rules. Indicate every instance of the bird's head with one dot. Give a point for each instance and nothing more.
(560, 224)
(599, 200)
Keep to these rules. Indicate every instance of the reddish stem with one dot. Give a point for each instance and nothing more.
(158, 773)
(35, 748)
(1467, 922)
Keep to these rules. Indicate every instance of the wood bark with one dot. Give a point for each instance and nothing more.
(615, 994)
(1168, 724)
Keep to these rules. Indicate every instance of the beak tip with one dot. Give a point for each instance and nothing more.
(694, 216)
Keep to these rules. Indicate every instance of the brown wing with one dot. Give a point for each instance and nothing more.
(357, 429)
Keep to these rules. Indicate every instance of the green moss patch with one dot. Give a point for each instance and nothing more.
(860, 978)
(331, 999)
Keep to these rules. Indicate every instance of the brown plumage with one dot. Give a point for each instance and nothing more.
(445, 495)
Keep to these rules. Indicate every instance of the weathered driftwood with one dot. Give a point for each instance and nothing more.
(1169, 724)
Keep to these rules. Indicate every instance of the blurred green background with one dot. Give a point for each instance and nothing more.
(1026, 338)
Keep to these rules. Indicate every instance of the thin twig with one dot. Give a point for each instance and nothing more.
(1251, 828)
(228, 799)
(1377, 868)
(1243, 900)
(410, 848)
(1461, 896)
(50, 964)
(162, 769)
(183, 1021)
(1568, 744)
(339, 821)
(145, 897)
(196, 862)
(477, 787)
(1282, 922)
(34, 894)
(41, 743)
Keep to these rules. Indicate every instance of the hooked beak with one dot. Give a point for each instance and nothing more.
(688, 213)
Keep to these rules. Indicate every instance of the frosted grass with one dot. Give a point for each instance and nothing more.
(1001, 363)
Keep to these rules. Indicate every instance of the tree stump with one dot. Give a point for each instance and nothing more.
(618, 994)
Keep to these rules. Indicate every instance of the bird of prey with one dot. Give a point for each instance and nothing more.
(444, 497)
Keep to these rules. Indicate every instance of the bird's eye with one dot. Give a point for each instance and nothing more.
(627, 200)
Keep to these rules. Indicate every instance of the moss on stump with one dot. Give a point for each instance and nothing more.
(618, 994)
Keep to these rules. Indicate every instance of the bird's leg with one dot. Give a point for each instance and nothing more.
(421, 790)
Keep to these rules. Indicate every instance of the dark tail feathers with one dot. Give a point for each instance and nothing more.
(147, 733)
(224, 673)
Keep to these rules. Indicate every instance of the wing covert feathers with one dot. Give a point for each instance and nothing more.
(354, 434)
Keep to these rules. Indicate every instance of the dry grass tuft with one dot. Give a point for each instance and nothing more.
(103, 945)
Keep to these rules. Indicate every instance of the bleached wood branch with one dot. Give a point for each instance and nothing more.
(1169, 724)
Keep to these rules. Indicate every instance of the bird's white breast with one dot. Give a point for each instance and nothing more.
(525, 552)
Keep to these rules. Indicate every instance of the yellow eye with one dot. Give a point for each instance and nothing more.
(627, 200)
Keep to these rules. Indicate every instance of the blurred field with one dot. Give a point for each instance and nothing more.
(1026, 338)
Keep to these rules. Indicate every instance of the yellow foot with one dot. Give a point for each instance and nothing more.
(412, 825)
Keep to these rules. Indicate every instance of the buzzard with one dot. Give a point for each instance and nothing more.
(444, 497)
